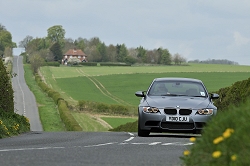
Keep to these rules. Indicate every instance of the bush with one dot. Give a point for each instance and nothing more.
(225, 140)
(104, 108)
(128, 127)
(69, 121)
(6, 91)
(233, 95)
(65, 114)
(114, 64)
(56, 64)
(12, 124)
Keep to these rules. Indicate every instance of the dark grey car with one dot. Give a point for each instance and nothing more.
(174, 104)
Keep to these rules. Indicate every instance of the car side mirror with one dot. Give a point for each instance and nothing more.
(214, 96)
(140, 94)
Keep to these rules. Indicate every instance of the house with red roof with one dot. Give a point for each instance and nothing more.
(74, 53)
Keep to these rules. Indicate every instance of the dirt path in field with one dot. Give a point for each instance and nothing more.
(102, 89)
(99, 120)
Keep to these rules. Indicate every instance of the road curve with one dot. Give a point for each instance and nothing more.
(92, 148)
(25, 102)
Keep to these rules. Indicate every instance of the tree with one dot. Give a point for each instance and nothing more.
(57, 51)
(176, 58)
(6, 39)
(7, 93)
(56, 34)
(141, 54)
(122, 52)
(8, 52)
(111, 52)
(101, 47)
(25, 41)
(36, 62)
(80, 43)
(130, 60)
(165, 57)
(2, 28)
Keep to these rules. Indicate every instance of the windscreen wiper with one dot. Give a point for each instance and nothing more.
(172, 94)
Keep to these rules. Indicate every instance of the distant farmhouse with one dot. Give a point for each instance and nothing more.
(74, 54)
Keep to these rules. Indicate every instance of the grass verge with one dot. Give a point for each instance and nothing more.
(117, 121)
(225, 140)
(48, 112)
(12, 124)
(89, 122)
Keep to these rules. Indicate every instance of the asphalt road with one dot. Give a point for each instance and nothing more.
(25, 102)
(92, 148)
(83, 148)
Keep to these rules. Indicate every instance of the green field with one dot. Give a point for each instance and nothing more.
(115, 122)
(117, 85)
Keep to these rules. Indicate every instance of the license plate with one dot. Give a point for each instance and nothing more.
(177, 118)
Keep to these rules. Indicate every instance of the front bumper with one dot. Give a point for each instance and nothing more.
(157, 122)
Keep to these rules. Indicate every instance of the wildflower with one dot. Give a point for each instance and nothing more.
(233, 157)
(228, 133)
(186, 152)
(1, 122)
(192, 139)
(218, 140)
(5, 128)
(216, 154)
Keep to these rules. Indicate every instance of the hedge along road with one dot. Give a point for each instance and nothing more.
(24, 99)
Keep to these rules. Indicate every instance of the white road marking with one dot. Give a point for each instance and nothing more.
(24, 111)
(127, 140)
(24, 149)
(154, 143)
(110, 143)
(178, 143)
(131, 134)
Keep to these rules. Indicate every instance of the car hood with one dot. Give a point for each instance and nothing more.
(181, 101)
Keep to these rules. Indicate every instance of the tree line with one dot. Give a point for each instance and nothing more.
(52, 47)
(215, 61)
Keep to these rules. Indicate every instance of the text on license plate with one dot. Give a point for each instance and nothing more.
(177, 118)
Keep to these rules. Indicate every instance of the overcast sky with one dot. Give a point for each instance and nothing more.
(196, 29)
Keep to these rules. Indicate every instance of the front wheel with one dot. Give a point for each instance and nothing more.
(142, 133)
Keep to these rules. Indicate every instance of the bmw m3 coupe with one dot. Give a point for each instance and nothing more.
(175, 105)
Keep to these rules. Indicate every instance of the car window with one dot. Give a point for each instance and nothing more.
(178, 88)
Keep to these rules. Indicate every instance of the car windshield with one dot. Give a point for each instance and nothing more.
(177, 88)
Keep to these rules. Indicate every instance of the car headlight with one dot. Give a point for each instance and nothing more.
(206, 111)
(150, 109)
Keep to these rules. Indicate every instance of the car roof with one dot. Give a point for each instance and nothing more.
(177, 79)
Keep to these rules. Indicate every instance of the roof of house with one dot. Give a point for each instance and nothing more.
(75, 52)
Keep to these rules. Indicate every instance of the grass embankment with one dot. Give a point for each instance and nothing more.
(48, 112)
(12, 124)
(225, 141)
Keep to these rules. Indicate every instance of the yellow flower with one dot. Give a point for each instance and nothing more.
(228, 133)
(186, 152)
(5, 127)
(1, 122)
(218, 140)
(233, 157)
(192, 139)
(216, 154)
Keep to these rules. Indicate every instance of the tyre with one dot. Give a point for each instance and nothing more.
(142, 133)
